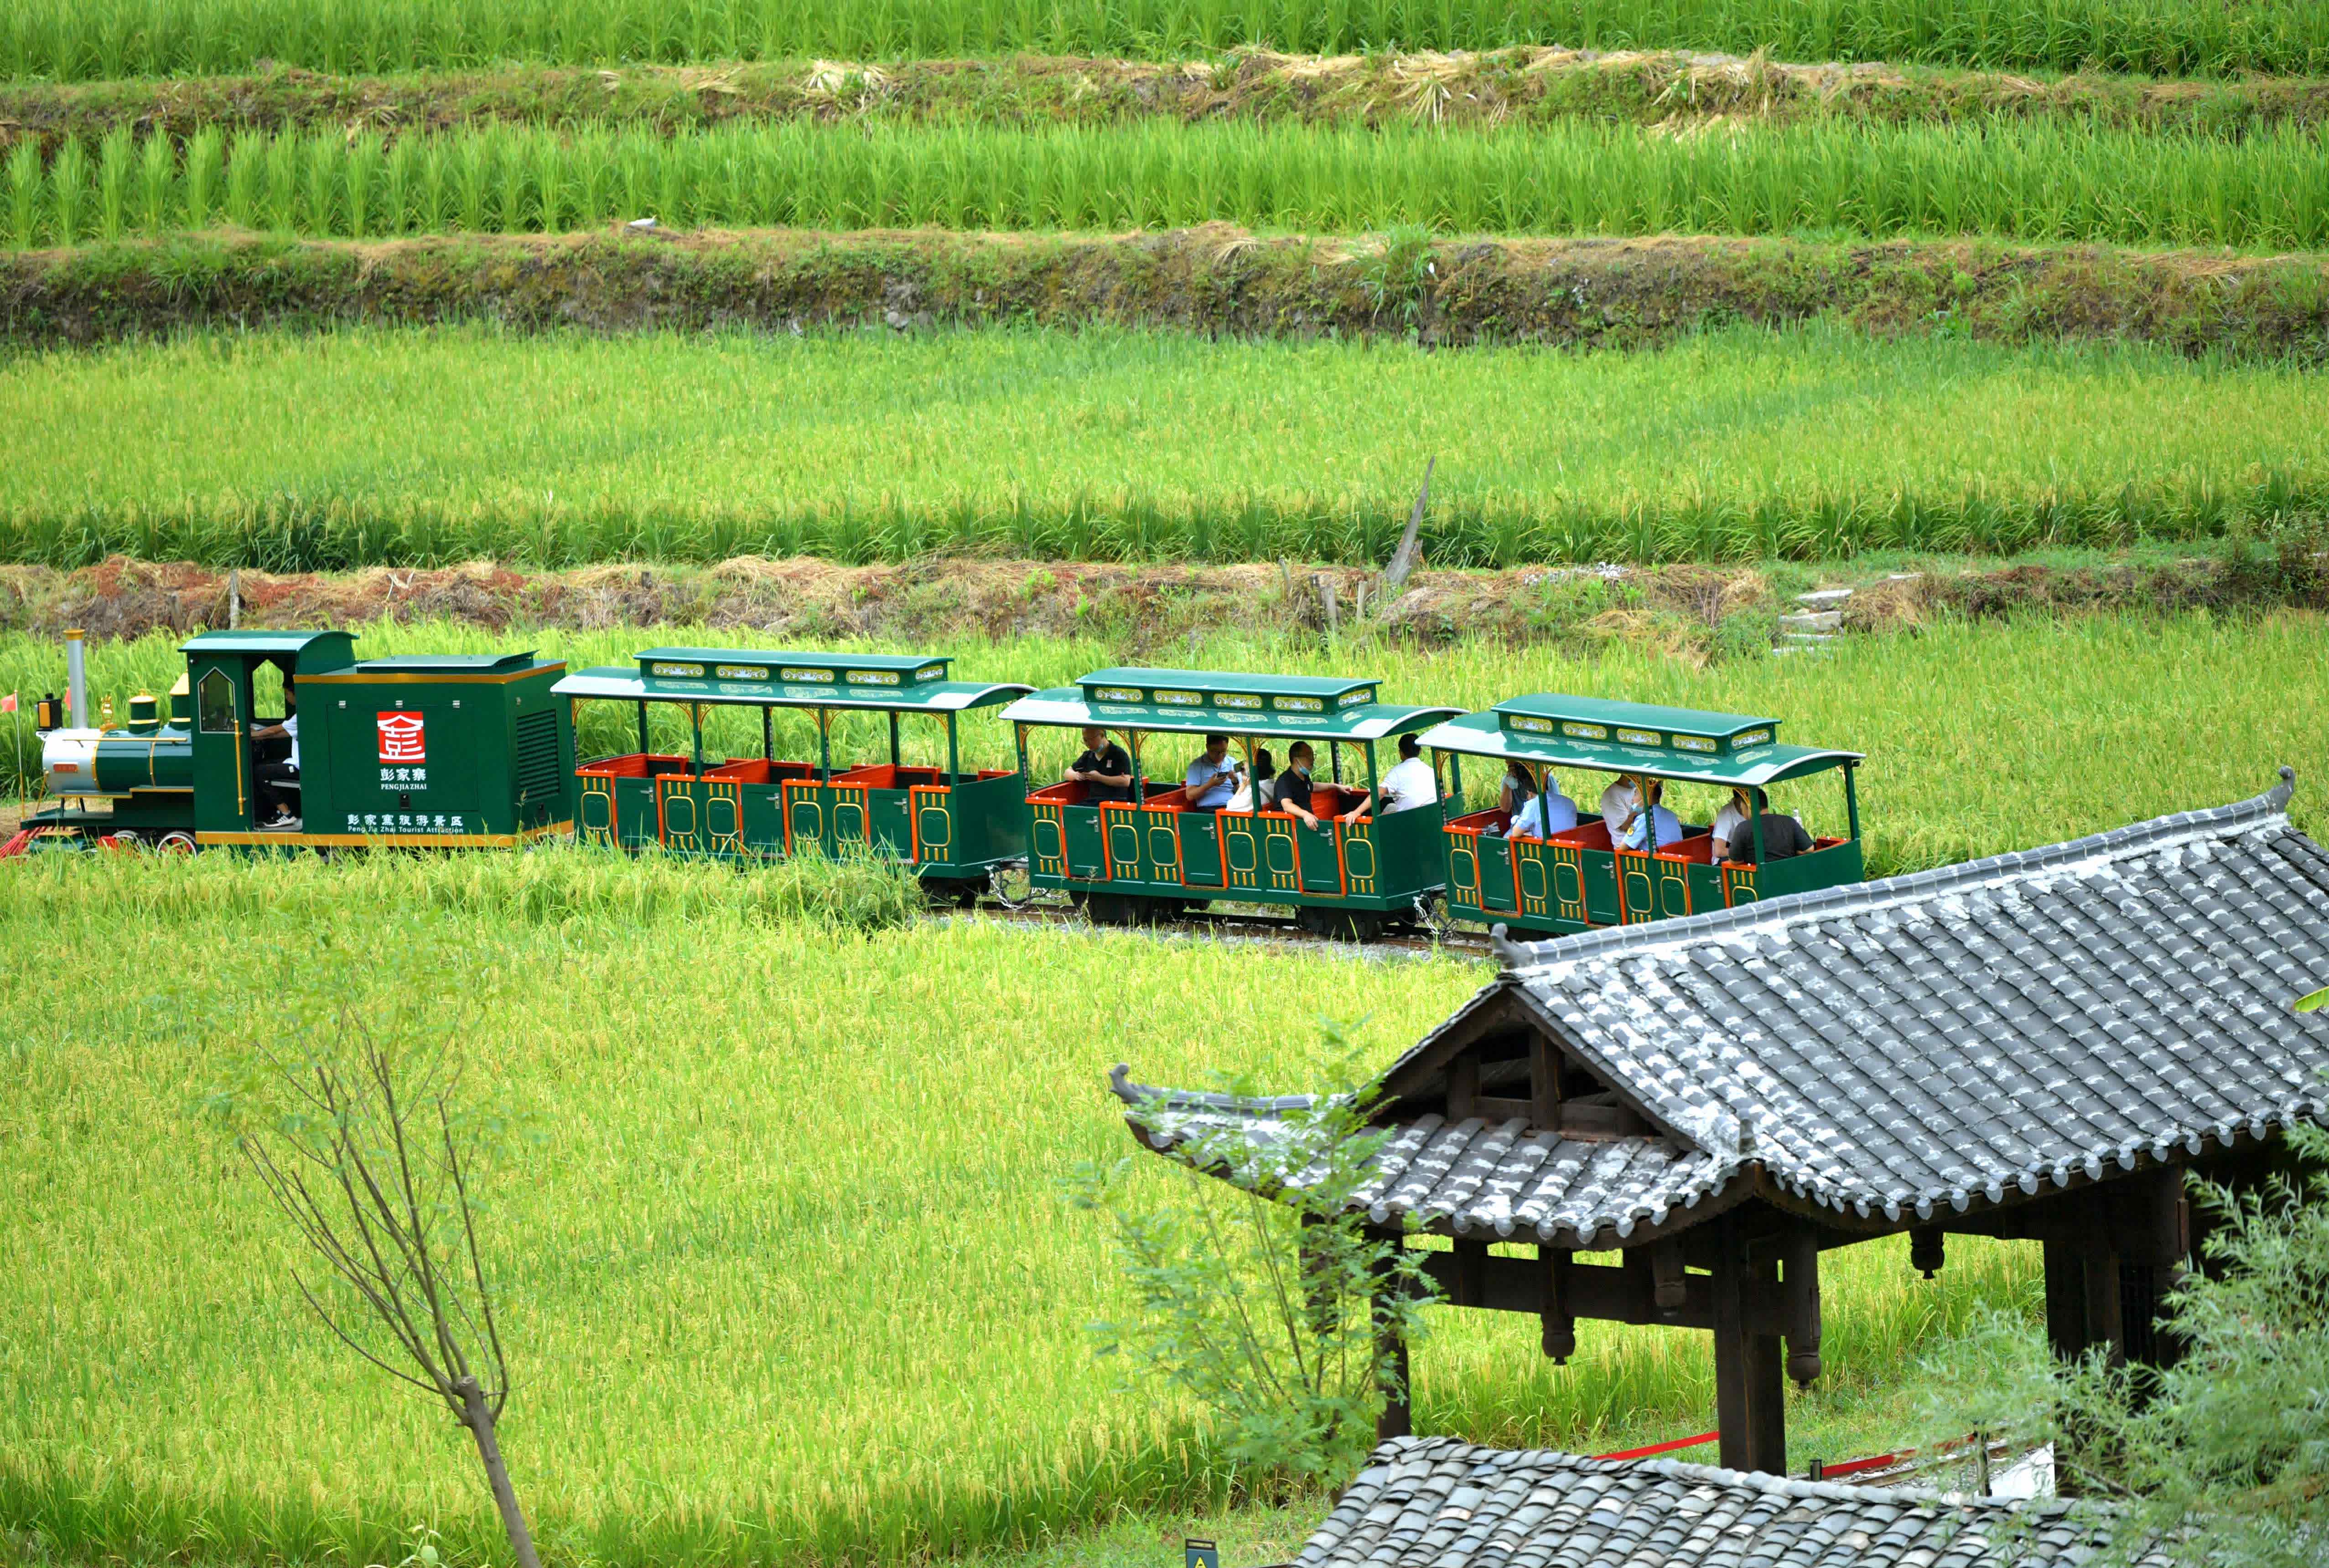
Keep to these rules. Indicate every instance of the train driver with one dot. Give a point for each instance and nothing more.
(279, 782)
(1104, 767)
(1212, 778)
(1410, 783)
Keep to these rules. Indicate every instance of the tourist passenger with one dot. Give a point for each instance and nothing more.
(1618, 802)
(1652, 826)
(1254, 796)
(1104, 769)
(1783, 836)
(1727, 820)
(1516, 789)
(1293, 796)
(1410, 783)
(1212, 777)
(1549, 813)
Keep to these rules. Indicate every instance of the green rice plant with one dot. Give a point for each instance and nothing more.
(246, 179)
(157, 186)
(78, 39)
(364, 163)
(282, 157)
(69, 192)
(114, 156)
(25, 182)
(427, 447)
(205, 167)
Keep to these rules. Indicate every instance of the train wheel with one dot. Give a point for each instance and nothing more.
(176, 844)
(1110, 908)
(1347, 925)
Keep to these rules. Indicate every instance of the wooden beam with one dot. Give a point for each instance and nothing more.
(2066, 1302)
(1749, 1391)
(1622, 1295)
(1544, 1083)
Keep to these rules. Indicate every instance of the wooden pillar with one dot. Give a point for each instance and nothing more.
(2066, 1302)
(1558, 1328)
(2105, 1323)
(1801, 1307)
(1749, 1387)
(1397, 1419)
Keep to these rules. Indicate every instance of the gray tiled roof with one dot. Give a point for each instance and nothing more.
(2008, 1023)
(1479, 1176)
(1947, 1038)
(1437, 1503)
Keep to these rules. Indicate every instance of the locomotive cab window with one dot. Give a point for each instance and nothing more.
(218, 704)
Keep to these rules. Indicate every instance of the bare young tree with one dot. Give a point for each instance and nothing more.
(371, 1160)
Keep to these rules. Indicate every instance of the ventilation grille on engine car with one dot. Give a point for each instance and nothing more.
(537, 757)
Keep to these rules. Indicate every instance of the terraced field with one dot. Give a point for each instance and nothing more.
(314, 285)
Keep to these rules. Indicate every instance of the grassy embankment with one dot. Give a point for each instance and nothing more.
(421, 448)
(75, 39)
(787, 1272)
(1511, 88)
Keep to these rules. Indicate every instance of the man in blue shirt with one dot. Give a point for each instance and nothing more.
(1212, 777)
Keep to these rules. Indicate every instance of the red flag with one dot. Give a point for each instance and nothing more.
(8, 704)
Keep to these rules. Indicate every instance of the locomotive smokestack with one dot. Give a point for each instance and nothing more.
(77, 677)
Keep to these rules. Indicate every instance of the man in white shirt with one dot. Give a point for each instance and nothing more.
(1410, 783)
(1618, 802)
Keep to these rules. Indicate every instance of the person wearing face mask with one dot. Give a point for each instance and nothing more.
(1652, 826)
(1294, 784)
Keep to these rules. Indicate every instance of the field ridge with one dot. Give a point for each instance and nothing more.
(1671, 90)
(1215, 279)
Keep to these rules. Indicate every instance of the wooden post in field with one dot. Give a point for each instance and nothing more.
(1402, 559)
(233, 599)
(1333, 601)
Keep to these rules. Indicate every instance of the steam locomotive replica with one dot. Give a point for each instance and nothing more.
(460, 753)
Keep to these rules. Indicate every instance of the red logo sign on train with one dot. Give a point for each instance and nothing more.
(401, 738)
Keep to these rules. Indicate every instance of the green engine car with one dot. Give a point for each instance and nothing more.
(456, 751)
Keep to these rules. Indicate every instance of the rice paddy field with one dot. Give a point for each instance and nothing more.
(2267, 189)
(788, 1274)
(419, 446)
(119, 38)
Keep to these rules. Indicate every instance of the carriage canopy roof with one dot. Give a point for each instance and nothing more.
(309, 650)
(1685, 745)
(1195, 701)
(752, 677)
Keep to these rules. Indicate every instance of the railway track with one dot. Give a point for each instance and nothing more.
(1237, 926)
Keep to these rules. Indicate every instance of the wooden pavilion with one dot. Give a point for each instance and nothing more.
(1669, 1123)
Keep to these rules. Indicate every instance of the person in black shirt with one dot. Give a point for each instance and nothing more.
(1783, 836)
(1104, 766)
(1293, 796)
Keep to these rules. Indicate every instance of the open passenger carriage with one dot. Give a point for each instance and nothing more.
(1157, 854)
(953, 826)
(1576, 879)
